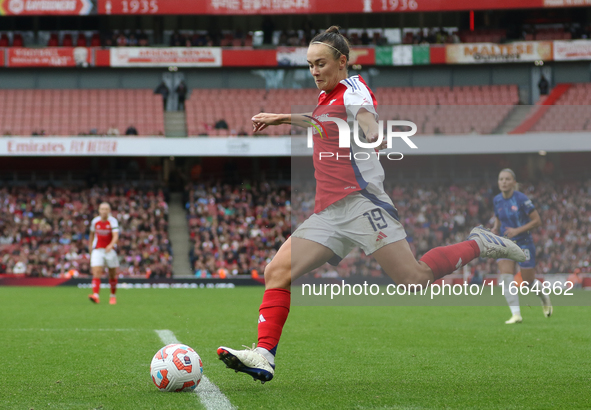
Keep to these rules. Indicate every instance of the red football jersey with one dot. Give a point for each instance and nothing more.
(351, 169)
(103, 231)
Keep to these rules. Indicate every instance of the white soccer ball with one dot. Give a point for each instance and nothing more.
(176, 367)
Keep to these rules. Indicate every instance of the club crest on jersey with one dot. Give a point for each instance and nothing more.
(514, 208)
(317, 128)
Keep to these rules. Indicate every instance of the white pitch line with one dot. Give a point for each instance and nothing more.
(211, 397)
(72, 330)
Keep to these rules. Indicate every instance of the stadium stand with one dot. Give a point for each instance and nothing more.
(436, 214)
(571, 112)
(483, 36)
(46, 229)
(74, 112)
(236, 229)
(435, 110)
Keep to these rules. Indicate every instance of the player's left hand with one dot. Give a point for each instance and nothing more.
(108, 248)
(511, 232)
(373, 137)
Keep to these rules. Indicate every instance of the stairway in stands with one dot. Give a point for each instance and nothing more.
(540, 109)
(515, 117)
(175, 124)
(178, 232)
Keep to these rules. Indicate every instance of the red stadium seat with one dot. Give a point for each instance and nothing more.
(81, 40)
(63, 111)
(67, 40)
(17, 40)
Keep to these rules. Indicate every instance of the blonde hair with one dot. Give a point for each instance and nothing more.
(510, 171)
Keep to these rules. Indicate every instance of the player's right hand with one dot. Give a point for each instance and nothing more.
(263, 120)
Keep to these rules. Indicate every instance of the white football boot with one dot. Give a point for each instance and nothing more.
(496, 247)
(514, 319)
(248, 361)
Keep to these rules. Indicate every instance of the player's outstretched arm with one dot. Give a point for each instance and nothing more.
(264, 119)
(369, 125)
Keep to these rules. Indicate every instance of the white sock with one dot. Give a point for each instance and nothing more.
(512, 300)
(266, 354)
(96, 294)
(112, 295)
(539, 286)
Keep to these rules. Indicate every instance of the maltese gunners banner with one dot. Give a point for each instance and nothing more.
(45, 7)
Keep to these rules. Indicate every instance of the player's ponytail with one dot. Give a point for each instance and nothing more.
(333, 38)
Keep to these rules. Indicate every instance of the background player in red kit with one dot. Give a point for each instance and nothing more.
(104, 233)
(351, 208)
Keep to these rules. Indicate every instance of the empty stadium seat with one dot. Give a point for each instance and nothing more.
(70, 112)
(434, 109)
(571, 112)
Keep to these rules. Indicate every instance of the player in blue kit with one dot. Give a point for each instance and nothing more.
(516, 216)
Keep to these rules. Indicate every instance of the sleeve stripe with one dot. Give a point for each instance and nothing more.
(351, 83)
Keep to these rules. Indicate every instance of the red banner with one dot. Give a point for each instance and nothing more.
(240, 7)
(49, 57)
(44, 7)
(235, 57)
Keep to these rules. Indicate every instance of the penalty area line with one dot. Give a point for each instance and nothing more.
(209, 394)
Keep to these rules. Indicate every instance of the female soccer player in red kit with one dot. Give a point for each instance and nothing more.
(351, 208)
(104, 234)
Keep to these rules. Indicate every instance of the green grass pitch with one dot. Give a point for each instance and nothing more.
(59, 351)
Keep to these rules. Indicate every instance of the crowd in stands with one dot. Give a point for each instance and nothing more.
(44, 231)
(435, 110)
(299, 37)
(125, 39)
(236, 229)
(436, 215)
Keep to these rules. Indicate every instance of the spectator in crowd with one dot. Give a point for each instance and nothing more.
(132, 40)
(131, 130)
(181, 91)
(221, 125)
(121, 41)
(20, 268)
(113, 131)
(177, 40)
(543, 85)
(164, 91)
(143, 39)
(268, 29)
(365, 40)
